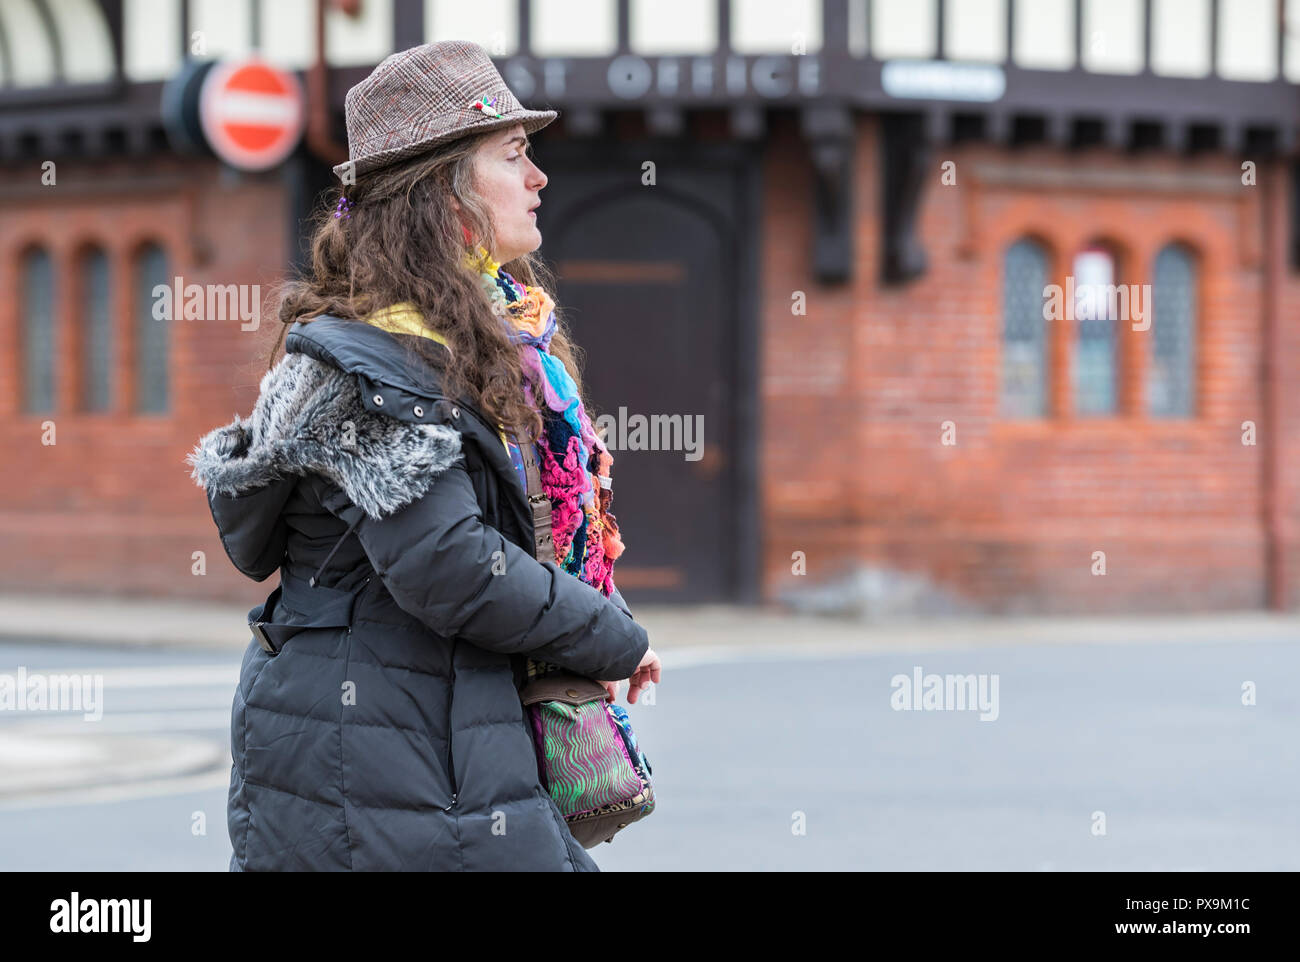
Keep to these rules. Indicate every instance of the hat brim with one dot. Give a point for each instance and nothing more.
(533, 120)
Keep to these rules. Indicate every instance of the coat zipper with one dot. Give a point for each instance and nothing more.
(451, 767)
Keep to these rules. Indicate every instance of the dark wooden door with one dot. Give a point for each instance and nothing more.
(652, 284)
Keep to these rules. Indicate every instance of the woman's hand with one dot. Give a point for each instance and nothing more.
(647, 672)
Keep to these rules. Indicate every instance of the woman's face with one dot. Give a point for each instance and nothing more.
(509, 183)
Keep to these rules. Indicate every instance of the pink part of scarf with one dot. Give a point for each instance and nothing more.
(563, 482)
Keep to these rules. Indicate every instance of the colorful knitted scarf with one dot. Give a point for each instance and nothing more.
(574, 462)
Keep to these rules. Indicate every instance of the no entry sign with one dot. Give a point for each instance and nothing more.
(252, 114)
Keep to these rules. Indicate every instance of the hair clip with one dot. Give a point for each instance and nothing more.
(486, 104)
(344, 209)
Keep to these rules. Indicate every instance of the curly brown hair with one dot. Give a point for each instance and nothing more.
(403, 241)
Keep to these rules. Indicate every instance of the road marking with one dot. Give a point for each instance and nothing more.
(729, 654)
(218, 777)
(45, 763)
(140, 721)
(161, 676)
(119, 701)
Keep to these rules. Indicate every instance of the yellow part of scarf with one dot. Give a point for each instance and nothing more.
(481, 261)
(405, 318)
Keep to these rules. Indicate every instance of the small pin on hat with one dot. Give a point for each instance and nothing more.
(486, 104)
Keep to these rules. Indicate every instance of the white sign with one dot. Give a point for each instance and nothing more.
(943, 80)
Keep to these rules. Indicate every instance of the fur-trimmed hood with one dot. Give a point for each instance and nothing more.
(352, 403)
(309, 418)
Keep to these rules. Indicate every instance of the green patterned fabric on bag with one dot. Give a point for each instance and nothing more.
(586, 760)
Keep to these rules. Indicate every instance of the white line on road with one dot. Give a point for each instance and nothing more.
(117, 701)
(216, 778)
(140, 721)
(160, 676)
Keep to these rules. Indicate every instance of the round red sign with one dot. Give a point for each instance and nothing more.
(252, 114)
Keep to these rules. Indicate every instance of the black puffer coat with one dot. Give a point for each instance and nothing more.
(387, 732)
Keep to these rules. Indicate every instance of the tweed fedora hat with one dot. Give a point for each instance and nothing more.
(425, 96)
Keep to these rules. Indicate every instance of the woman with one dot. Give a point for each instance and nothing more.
(377, 724)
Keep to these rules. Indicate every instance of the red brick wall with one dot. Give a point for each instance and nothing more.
(1287, 375)
(855, 393)
(110, 508)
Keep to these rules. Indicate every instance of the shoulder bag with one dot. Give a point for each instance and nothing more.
(587, 754)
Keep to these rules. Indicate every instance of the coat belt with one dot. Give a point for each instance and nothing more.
(296, 605)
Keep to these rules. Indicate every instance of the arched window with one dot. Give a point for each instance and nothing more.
(1098, 305)
(1171, 387)
(36, 277)
(152, 336)
(96, 345)
(1024, 344)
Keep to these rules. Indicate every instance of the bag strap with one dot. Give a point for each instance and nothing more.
(543, 543)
